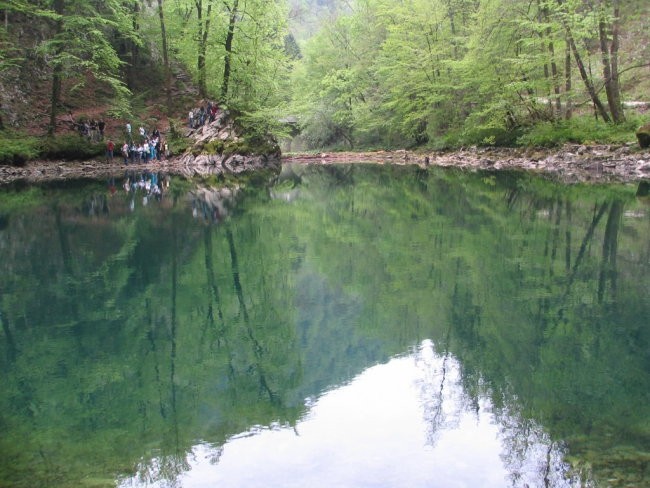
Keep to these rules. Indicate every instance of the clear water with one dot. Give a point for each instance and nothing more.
(348, 326)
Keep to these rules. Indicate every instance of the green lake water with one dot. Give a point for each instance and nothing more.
(336, 326)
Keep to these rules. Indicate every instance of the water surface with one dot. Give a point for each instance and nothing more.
(352, 325)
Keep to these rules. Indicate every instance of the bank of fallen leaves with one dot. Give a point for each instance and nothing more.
(569, 164)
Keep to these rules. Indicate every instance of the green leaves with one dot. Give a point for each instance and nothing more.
(418, 70)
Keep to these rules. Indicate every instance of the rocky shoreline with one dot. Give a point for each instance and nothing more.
(569, 164)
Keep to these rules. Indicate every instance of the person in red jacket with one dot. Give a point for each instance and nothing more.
(110, 146)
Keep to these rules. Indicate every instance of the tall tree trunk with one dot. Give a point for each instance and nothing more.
(568, 113)
(600, 108)
(610, 62)
(228, 46)
(168, 75)
(554, 74)
(555, 106)
(204, 31)
(585, 78)
(55, 95)
(134, 51)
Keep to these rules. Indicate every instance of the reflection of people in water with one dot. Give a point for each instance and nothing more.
(149, 183)
(111, 186)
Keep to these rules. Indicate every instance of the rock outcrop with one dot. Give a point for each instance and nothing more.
(220, 147)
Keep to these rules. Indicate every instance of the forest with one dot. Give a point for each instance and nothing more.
(353, 74)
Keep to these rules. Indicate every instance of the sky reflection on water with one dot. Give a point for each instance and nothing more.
(406, 423)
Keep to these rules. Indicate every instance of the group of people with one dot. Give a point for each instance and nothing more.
(202, 115)
(144, 146)
(147, 147)
(91, 129)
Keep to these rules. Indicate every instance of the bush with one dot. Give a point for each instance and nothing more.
(71, 147)
(579, 130)
(490, 136)
(16, 149)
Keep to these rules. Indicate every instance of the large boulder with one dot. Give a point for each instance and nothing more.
(643, 135)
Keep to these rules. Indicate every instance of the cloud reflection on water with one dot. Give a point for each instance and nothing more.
(406, 423)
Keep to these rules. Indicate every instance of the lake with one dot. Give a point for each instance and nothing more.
(334, 326)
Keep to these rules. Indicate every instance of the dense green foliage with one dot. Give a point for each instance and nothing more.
(129, 335)
(15, 149)
(365, 73)
(452, 72)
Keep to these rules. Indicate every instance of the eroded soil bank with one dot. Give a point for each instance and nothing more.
(569, 164)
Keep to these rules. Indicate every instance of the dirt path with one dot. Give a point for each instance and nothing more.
(570, 164)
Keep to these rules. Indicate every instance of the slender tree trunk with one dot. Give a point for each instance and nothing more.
(555, 106)
(568, 113)
(554, 74)
(610, 63)
(55, 95)
(228, 46)
(204, 31)
(163, 32)
(614, 51)
(133, 49)
(600, 108)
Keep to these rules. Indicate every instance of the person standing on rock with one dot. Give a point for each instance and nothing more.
(125, 152)
(110, 147)
(191, 119)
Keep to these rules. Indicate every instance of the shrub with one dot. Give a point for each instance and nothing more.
(16, 149)
(489, 136)
(579, 130)
(71, 147)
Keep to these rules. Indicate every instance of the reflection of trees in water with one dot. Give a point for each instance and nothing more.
(441, 392)
(530, 456)
(165, 471)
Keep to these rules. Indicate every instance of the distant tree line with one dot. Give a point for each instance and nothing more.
(419, 70)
